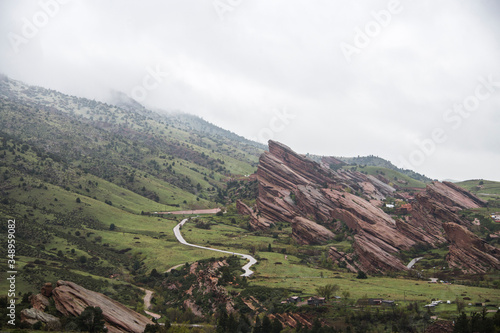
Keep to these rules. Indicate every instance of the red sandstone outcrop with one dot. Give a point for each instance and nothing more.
(305, 231)
(293, 319)
(297, 190)
(36, 314)
(440, 202)
(72, 299)
(317, 200)
(46, 289)
(39, 301)
(256, 223)
(331, 161)
(468, 252)
(207, 280)
(374, 256)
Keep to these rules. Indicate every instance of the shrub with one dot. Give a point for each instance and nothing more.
(361, 275)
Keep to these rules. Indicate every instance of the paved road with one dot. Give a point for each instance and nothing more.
(413, 262)
(246, 268)
(192, 212)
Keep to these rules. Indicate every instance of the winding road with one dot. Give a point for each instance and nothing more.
(246, 268)
(177, 233)
(413, 262)
(147, 303)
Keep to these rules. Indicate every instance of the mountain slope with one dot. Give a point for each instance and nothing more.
(118, 144)
(79, 177)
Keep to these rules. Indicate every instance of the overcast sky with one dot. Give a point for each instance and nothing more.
(415, 82)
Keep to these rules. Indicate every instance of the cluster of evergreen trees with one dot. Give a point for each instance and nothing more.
(477, 322)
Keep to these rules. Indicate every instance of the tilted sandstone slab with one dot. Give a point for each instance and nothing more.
(305, 231)
(375, 257)
(468, 252)
(256, 223)
(318, 200)
(440, 202)
(72, 299)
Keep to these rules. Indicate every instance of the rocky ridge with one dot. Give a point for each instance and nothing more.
(468, 252)
(319, 201)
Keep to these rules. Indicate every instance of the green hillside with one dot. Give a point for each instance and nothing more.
(394, 177)
(485, 189)
(79, 177)
(380, 162)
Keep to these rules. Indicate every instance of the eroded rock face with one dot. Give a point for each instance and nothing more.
(72, 299)
(207, 280)
(47, 289)
(256, 223)
(468, 252)
(311, 197)
(39, 301)
(440, 202)
(317, 200)
(374, 256)
(293, 319)
(32, 316)
(305, 231)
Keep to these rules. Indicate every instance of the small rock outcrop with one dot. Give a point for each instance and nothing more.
(255, 222)
(32, 316)
(72, 299)
(293, 319)
(47, 289)
(39, 302)
(468, 252)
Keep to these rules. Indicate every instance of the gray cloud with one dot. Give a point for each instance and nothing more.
(269, 55)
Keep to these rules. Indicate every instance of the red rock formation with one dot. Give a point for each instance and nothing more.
(72, 299)
(256, 223)
(330, 160)
(440, 202)
(317, 200)
(297, 190)
(39, 301)
(46, 289)
(207, 281)
(375, 256)
(305, 231)
(293, 319)
(468, 252)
